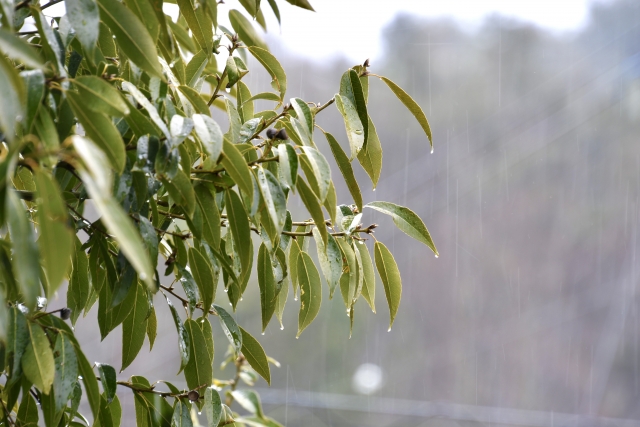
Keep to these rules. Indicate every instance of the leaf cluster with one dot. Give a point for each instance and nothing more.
(109, 106)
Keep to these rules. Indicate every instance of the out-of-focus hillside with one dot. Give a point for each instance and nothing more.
(532, 197)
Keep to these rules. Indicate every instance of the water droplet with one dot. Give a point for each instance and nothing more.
(199, 412)
(437, 256)
(297, 337)
(226, 289)
(262, 332)
(231, 304)
(282, 328)
(227, 89)
(295, 298)
(113, 37)
(241, 299)
(374, 189)
(389, 330)
(358, 131)
(143, 276)
(431, 150)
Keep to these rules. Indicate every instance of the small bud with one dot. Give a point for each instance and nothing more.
(282, 134)
(193, 395)
(65, 313)
(271, 133)
(366, 63)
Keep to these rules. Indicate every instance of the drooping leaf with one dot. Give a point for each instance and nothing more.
(239, 226)
(345, 167)
(84, 16)
(321, 171)
(370, 157)
(17, 340)
(131, 35)
(12, 95)
(34, 85)
(235, 165)
(273, 67)
(313, 206)
(108, 380)
(144, 102)
(210, 135)
(181, 191)
(267, 283)
(184, 345)
(390, 275)
(210, 216)
(89, 380)
(230, 328)
(273, 197)
(288, 161)
(330, 259)
(66, 370)
(407, 221)
(245, 30)
(249, 400)
(195, 67)
(203, 275)
(354, 127)
(255, 355)
(351, 88)
(349, 279)
(56, 237)
(310, 291)
(212, 406)
(18, 49)
(369, 285)
(181, 414)
(198, 371)
(28, 411)
(199, 24)
(134, 327)
(37, 361)
(412, 106)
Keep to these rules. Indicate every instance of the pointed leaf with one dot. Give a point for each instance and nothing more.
(370, 157)
(199, 24)
(245, 30)
(255, 355)
(330, 259)
(84, 16)
(369, 286)
(288, 161)
(181, 191)
(390, 275)
(230, 328)
(313, 206)
(310, 291)
(212, 406)
(210, 135)
(134, 327)
(236, 166)
(267, 283)
(355, 129)
(198, 371)
(203, 275)
(406, 220)
(345, 167)
(108, 380)
(351, 88)
(184, 345)
(18, 49)
(273, 197)
(66, 371)
(321, 171)
(100, 96)
(273, 67)
(210, 216)
(239, 226)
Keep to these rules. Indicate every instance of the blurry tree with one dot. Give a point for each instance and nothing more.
(107, 110)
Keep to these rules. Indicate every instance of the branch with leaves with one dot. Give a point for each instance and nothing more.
(106, 106)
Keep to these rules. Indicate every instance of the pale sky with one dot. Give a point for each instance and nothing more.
(353, 27)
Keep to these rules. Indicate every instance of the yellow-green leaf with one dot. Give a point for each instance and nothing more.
(310, 291)
(390, 275)
(370, 157)
(255, 355)
(313, 206)
(100, 96)
(245, 30)
(234, 163)
(37, 362)
(347, 171)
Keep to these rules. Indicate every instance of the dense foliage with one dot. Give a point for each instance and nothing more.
(109, 106)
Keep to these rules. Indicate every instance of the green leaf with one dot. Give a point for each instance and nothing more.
(330, 259)
(351, 88)
(304, 4)
(210, 135)
(390, 275)
(245, 30)
(152, 328)
(181, 414)
(266, 96)
(230, 328)
(105, 418)
(195, 99)
(17, 340)
(281, 300)
(190, 287)
(239, 227)
(355, 129)
(19, 49)
(249, 400)
(235, 123)
(144, 102)
(198, 371)
(321, 171)
(369, 286)
(273, 197)
(37, 362)
(25, 251)
(149, 238)
(84, 17)
(349, 287)
(195, 67)
(89, 380)
(203, 275)
(134, 327)
(234, 163)
(28, 411)
(288, 161)
(212, 406)
(199, 24)
(305, 118)
(181, 191)
(313, 206)
(66, 371)
(56, 237)
(100, 96)
(97, 181)
(101, 130)
(412, 106)
(207, 331)
(273, 67)
(370, 157)
(407, 221)
(267, 284)
(310, 291)
(255, 355)
(12, 94)
(108, 380)
(184, 344)
(131, 35)
(34, 84)
(210, 216)
(345, 167)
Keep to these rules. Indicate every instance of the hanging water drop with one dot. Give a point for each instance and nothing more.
(262, 332)
(437, 256)
(226, 289)
(282, 327)
(295, 298)
(227, 89)
(431, 150)
(389, 330)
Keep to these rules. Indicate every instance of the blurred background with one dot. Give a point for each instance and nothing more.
(530, 315)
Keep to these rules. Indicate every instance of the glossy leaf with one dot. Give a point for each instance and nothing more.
(108, 380)
(100, 96)
(304, 4)
(310, 291)
(370, 157)
(350, 284)
(181, 414)
(321, 171)
(131, 35)
(37, 361)
(267, 284)
(412, 106)
(313, 206)
(181, 191)
(66, 370)
(195, 67)
(198, 371)
(390, 275)
(17, 340)
(203, 275)
(273, 197)
(345, 167)
(199, 24)
(355, 129)
(56, 237)
(230, 328)
(407, 221)
(212, 406)
(134, 327)
(210, 135)
(249, 400)
(255, 355)
(351, 88)
(195, 99)
(144, 102)
(330, 259)
(235, 165)
(210, 216)
(89, 380)
(184, 344)
(273, 67)
(239, 226)
(12, 94)
(288, 161)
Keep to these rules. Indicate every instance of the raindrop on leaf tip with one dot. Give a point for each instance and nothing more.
(431, 150)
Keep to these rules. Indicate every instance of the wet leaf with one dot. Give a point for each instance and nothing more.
(390, 275)
(210, 135)
(108, 380)
(134, 327)
(345, 167)
(355, 129)
(236, 166)
(203, 275)
(370, 157)
(267, 283)
(230, 328)
(288, 161)
(249, 400)
(369, 285)
(184, 345)
(66, 371)
(18, 49)
(245, 30)
(255, 355)
(351, 88)
(310, 291)
(330, 259)
(100, 97)
(212, 406)
(313, 206)
(198, 371)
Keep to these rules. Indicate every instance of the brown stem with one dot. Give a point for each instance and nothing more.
(152, 389)
(325, 105)
(234, 382)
